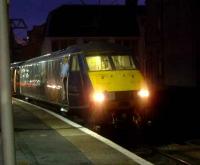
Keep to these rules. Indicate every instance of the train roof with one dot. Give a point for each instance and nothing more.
(16, 64)
(82, 48)
(97, 46)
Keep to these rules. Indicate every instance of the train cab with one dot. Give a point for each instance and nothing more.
(109, 83)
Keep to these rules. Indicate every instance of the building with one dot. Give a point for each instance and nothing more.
(69, 25)
(172, 43)
(34, 42)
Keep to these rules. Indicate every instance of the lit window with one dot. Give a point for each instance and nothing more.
(96, 63)
(123, 62)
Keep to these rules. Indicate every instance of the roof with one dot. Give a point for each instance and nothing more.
(98, 46)
(16, 64)
(78, 48)
(92, 20)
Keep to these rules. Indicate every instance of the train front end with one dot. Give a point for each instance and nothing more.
(119, 92)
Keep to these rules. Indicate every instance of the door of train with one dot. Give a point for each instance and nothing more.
(75, 84)
(15, 82)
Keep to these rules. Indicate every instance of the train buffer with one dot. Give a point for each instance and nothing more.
(42, 137)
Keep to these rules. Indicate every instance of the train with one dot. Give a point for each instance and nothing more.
(103, 83)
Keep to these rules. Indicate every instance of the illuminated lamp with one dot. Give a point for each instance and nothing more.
(143, 93)
(98, 97)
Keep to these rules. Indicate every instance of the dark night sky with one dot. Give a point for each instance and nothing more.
(34, 12)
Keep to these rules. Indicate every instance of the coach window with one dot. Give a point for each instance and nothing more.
(49, 70)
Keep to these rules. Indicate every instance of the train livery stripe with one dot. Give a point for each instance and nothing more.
(124, 151)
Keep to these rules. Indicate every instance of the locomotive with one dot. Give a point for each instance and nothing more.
(103, 82)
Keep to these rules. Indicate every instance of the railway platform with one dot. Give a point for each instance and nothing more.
(45, 138)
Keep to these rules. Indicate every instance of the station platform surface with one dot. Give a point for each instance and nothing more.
(45, 138)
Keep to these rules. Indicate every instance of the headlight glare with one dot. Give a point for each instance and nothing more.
(98, 97)
(143, 93)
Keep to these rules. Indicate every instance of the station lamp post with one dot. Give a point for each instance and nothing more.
(6, 113)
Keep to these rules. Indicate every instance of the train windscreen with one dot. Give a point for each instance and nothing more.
(123, 62)
(98, 63)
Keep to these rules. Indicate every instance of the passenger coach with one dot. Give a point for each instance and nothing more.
(103, 82)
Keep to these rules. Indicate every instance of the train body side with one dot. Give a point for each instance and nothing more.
(41, 80)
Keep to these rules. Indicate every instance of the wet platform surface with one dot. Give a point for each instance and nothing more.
(43, 139)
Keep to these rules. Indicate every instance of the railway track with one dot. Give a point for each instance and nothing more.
(172, 154)
(176, 159)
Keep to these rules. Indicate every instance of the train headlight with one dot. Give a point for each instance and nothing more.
(143, 93)
(98, 97)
